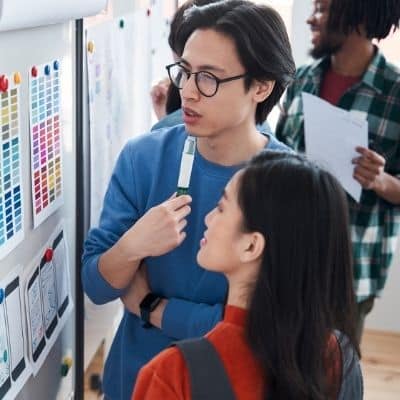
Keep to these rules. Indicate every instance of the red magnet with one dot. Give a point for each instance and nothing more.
(3, 83)
(34, 72)
(48, 255)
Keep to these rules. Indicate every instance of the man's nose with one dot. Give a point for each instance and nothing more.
(189, 89)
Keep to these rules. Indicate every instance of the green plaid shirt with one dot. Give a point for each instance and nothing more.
(374, 222)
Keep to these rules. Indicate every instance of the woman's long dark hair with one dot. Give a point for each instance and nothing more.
(304, 290)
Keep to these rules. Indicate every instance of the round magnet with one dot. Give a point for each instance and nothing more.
(17, 78)
(48, 255)
(3, 83)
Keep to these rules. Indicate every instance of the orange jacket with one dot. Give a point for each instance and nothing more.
(166, 377)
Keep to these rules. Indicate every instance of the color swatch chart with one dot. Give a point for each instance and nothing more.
(45, 129)
(11, 212)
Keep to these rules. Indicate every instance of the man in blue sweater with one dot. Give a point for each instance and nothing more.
(236, 62)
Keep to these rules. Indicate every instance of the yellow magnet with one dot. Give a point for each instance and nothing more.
(90, 46)
(17, 78)
(65, 366)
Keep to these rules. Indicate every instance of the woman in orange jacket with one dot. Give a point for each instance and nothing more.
(279, 235)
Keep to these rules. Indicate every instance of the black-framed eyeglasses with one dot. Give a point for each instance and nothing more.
(206, 82)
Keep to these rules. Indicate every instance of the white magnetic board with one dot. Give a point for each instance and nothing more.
(17, 14)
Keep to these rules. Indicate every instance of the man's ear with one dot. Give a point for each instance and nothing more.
(262, 90)
(253, 247)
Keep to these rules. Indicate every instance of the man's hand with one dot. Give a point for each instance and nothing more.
(158, 95)
(136, 291)
(369, 169)
(159, 231)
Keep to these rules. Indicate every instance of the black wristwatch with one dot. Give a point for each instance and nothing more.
(147, 305)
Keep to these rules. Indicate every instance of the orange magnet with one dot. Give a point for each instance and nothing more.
(3, 83)
(17, 78)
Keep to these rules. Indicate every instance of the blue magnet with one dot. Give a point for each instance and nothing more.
(56, 65)
(47, 70)
(1, 295)
(121, 23)
(5, 356)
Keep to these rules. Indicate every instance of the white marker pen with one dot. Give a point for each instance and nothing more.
(186, 165)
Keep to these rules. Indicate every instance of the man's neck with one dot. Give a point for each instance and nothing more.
(354, 56)
(231, 148)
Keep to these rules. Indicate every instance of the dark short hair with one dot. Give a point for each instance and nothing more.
(377, 17)
(173, 102)
(261, 41)
(177, 21)
(304, 289)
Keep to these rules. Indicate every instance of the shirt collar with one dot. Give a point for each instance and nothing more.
(373, 76)
(235, 315)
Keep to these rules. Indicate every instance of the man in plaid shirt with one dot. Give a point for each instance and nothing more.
(351, 73)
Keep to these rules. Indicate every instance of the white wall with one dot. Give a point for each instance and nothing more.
(385, 314)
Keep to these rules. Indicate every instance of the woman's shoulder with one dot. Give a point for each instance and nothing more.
(165, 375)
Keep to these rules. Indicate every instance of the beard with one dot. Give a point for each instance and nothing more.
(329, 44)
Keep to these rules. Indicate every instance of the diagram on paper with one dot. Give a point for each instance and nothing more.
(5, 380)
(48, 297)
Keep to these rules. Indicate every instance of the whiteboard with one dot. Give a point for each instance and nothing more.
(118, 70)
(17, 14)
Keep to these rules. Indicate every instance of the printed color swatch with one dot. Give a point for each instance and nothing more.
(46, 151)
(11, 213)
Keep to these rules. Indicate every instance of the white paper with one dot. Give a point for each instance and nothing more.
(119, 99)
(17, 14)
(46, 133)
(19, 360)
(63, 279)
(11, 190)
(61, 267)
(49, 296)
(331, 137)
(34, 316)
(161, 55)
(41, 298)
(5, 370)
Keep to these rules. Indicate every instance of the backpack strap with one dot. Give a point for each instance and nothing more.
(208, 377)
(352, 381)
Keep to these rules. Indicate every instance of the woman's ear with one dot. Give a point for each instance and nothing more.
(253, 247)
(262, 90)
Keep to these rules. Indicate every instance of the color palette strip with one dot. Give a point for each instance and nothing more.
(46, 154)
(11, 206)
